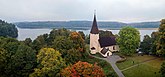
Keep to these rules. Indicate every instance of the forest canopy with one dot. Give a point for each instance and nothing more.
(47, 55)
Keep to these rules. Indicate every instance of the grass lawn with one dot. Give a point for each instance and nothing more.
(147, 69)
(142, 71)
(155, 63)
(135, 59)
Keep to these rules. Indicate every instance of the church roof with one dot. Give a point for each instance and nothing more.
(94, 29)
(104, 51)
(107, 41)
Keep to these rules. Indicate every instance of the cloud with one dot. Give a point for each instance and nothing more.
(107, 10)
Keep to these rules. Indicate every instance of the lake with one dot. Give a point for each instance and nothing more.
(33, 33)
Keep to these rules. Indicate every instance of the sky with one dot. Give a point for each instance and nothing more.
(75, 10)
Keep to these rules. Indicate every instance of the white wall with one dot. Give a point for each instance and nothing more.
(94, 43)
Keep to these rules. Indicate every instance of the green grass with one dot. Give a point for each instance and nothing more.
(125, 64)
(135, 59)
(146, 69)
(155, 63)
(142, 71)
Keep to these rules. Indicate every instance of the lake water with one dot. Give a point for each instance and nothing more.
(33, 33)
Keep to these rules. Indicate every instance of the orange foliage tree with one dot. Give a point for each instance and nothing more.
(83, 69)
(78, 41)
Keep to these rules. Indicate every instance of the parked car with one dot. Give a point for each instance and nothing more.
(140, 53)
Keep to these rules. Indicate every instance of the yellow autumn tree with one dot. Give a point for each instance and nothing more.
(50, 63)
(161, 39)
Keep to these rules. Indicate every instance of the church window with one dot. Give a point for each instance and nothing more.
(113, 47)
(93, 48)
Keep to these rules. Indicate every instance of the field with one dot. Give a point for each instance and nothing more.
(141, 66)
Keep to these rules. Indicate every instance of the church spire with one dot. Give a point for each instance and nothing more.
(94, 29)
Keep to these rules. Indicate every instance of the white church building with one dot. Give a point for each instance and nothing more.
(103, 45)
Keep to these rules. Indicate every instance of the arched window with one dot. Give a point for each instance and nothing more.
(113, 47)
(93, 48)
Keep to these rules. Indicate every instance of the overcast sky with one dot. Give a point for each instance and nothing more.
(59, 10)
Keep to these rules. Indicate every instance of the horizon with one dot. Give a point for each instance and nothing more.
(126, 11)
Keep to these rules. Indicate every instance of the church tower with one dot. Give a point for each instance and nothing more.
(94, 37)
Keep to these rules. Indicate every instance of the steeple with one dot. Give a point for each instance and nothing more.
(94, 29)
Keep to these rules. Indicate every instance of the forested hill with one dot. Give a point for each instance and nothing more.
(8, 29)
(84, 24)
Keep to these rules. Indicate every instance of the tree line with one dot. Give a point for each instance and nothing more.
(156, 43)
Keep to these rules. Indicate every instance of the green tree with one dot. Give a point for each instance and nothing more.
(57, 32)
(162, 69)
(128, 40)
(28, 42)
(87, 39)
(62, 44)
(105, 33)
(22, 62)
(161, 40)
(3, 58)
(154, 37)
(82, 34)
(71, 48)
(10, 45)
(72, 56)
(17, 59)
(40, 42)
(50, 63)
(146, 44)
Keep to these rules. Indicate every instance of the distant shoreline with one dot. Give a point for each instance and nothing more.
(86, 25)
(136, 28)
(147, 28)
(89, 29)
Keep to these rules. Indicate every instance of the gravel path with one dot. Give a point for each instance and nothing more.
(112, 60)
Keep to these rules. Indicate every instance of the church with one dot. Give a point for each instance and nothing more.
(103, 45)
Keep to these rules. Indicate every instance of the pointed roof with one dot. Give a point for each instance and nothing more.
(94, 29)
